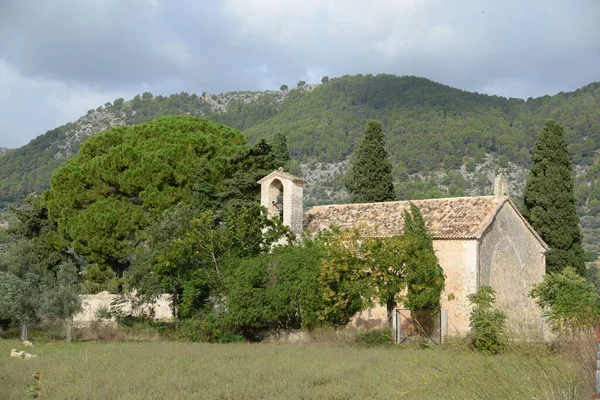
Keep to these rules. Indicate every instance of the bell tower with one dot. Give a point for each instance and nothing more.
(282, 195)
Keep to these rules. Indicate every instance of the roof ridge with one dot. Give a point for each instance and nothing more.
(404, 201)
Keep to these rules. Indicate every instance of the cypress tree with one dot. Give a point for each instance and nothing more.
(550, 202)
(280, 150)
(425, 277)
(370, 176)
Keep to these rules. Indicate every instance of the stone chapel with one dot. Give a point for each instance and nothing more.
(481, 240)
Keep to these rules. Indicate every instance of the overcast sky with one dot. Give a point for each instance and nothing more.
(59, 58)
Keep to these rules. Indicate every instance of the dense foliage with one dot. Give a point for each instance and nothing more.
(359, 269)
(386, 270)
(188, 254)
(39, 276)
(569, 301)
(488, 325)
(246, 168)
(61, 297)
(23, 279)
(369, 178)
(280, 148)
(342, 276)
(549, 203)
(32, 223)
(278, 290)
(30, 290)
(123, 179)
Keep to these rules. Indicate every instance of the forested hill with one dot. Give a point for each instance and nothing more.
(438, 136)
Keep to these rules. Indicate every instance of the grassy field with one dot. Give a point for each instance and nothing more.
(170, 370)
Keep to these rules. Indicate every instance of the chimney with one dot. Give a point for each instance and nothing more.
(501, 187)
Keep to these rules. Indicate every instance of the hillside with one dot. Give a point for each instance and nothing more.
(442, 141)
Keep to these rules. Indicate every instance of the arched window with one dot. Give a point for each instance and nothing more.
(276, 199)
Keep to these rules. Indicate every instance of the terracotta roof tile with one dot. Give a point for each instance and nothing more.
(451, 218)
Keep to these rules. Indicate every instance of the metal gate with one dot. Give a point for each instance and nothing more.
(418, 326)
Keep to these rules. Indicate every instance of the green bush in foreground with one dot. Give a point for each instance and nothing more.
(375, 337)
(211, 329)
(278, 290)
(569, 300)
(488, 326)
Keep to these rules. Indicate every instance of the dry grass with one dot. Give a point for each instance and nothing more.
(318, 336)
(277, 371)
(97, 331)
(580, 348)
(100, 331)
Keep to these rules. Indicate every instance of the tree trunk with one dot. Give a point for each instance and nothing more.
(23, 332)
(175, 303)
(69, 329)
(391, 306)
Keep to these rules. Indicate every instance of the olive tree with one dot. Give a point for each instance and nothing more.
(62, 299)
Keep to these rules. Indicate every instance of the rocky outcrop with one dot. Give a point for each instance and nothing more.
(324, 181)
(104, 118)
(90, 124)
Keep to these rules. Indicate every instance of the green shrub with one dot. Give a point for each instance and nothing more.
(190, 330)
(488, 326)
(569, 301)
(376, 337)
(210, 328)
(278, 290)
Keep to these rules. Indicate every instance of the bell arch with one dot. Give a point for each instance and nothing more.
(275, 201)
(282, 195)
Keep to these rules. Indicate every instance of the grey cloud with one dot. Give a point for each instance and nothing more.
(510, 48)
(121, 43)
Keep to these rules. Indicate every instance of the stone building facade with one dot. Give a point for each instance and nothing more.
(478, 240)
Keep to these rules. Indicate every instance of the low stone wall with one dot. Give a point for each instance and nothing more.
(92, 303)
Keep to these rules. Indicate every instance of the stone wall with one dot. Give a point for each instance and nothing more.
(459, 260)
(293, 214)
(92, 303)
(511, 261)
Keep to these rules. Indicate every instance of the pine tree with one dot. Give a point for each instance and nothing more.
(550, 203)
(280, 149)
(370, 176)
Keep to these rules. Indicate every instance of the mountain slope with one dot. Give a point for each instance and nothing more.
(442, 141)
(28, 169)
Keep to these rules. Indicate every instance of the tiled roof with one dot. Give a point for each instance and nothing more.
(451, 218)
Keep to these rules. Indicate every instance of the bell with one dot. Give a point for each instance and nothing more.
(279, 203)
